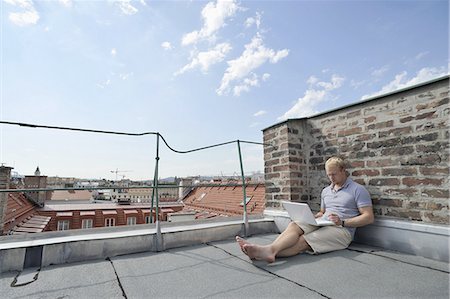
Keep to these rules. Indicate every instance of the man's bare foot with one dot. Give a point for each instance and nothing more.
(260, 253)
(241, 243)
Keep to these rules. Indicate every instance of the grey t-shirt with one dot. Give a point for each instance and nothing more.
(345, 201)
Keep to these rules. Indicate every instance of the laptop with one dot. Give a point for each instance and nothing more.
(302, 213)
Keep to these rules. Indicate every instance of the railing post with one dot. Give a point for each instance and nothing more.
(243, 191)
(155, 194)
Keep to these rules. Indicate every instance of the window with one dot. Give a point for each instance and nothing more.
(110, 222)
(147, 219)
(87, 223)
(247, 200)
(131, 220)
(63, 224)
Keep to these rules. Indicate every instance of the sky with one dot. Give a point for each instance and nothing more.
(197, 72)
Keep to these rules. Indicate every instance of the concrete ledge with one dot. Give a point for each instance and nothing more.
(81, 245)
(427, 240)
(421, 239)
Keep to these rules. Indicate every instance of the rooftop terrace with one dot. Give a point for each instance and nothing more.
(220, 269)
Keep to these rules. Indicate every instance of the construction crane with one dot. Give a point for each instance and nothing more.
(117, 171)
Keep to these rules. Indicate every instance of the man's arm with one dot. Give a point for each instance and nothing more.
(365, 218)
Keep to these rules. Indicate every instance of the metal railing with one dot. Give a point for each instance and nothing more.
(155, 187)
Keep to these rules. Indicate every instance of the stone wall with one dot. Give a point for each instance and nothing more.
(397, 145)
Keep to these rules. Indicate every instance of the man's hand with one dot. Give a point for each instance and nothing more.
(335, 218)
(319, 214)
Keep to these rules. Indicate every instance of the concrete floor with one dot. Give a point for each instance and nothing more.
(221, 270)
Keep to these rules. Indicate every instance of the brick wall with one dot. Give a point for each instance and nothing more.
(397, 145)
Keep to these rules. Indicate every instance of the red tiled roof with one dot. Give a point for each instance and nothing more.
(18, 209)
(226, 200)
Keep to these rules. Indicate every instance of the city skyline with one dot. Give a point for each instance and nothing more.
(198, 72)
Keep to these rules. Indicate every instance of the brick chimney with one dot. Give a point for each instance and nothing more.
(5, 178)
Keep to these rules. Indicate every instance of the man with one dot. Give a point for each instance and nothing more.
(345, 202)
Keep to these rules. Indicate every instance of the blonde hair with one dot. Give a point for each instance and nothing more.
(335, 161)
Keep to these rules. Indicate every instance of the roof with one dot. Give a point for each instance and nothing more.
(226, 200)
(220, 269)
(18, 209)
(71, 195)
(97, 206)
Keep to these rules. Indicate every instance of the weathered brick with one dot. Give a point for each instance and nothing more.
(365, 137)
(351, 147)
(433, 104)
(366, 172)
(436, 193)
(356, 164)
(399, 171)
(354, 114)
(421, 181)
(270, 176)
(348, 132)
(271, 162)
(272, 189)
(280, 154)
(282, 196)
(381, 125)
(397, 151)
(436, 205)
(316, 160)
(430, 148)
(390, 202)
(281, 168)
(395, 132)
(404, 192)
(268, 137)
(430, 159)
(418, 117)
(426, 115)
(416, 139)
(370, 119)
(436, 218)
(384, 182)
(434, 170)
(384, 143)
(382, 163)
(361, 155)
(409, 214)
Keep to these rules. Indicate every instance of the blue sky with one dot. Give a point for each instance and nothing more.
(198, 72)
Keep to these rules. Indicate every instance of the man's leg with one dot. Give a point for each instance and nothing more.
(287, 243)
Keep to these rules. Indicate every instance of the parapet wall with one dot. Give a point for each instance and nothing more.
(397, 145)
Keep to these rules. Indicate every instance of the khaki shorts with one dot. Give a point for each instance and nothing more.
(325, 238)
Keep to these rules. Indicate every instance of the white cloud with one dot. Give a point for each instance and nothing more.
(66, 3)
(401, 80)
(125, 76)
(214, 16)
(265, 77)
(246, 84)
(166, 46)
(381, 71)
(256, 20)
(204, 60)
(260, 113)
(318, 92)
(254, 56)
(27, 17)
(126, 7)
(421, 55)
(312, 80)
(113, 52)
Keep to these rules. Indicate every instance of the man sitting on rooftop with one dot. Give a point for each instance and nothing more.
(344, 202)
